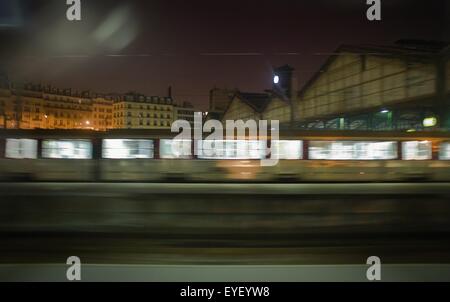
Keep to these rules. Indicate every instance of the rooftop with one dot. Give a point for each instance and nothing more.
(257, 101)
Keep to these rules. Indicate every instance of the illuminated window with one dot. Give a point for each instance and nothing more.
(444, 152)
(287, 149)
(231, 149)
(69, 149)
(352, 150)
(21, 148)
(127, 148)
(416, 150)
(172, 148)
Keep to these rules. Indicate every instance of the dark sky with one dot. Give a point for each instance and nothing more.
(195, 45)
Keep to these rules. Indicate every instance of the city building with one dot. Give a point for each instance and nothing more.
(246, 106)
(405, 86)
(102, 117)
(185, 112)
(63, 110)
(31, 106)
(6, 110)
(273, 104)
(278, 108)
(219, 100)
(137, 111)
(371, 87)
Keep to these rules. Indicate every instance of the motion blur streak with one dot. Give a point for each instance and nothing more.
(192, 224)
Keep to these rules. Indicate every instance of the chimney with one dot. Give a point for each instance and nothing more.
(169, 92)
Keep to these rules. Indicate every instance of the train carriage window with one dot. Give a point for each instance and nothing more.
(211, 149)
(416, 150)
(21, 148)
(127, 148)
(444, 152)
(231, 149)
(352, 150)
(284, 149)
(176, 149)
(67, 149)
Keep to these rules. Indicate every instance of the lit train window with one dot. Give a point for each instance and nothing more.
(352, 150)
(172, 148)
(416, 150)
(70, 149)
(231, 149)
(287, 149)
(127, 148)
(21, 148)
(444, 152)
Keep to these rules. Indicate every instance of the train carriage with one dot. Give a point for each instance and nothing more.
(154, 156)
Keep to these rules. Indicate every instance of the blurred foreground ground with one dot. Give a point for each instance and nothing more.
(258, 224)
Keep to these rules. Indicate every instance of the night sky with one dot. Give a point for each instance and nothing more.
(145, 46)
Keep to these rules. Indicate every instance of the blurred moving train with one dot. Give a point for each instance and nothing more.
(153, 155)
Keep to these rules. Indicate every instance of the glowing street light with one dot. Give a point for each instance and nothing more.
(430, 122)
(276, 79)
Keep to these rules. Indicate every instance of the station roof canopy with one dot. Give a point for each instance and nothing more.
(257, 101)
(417, 50)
